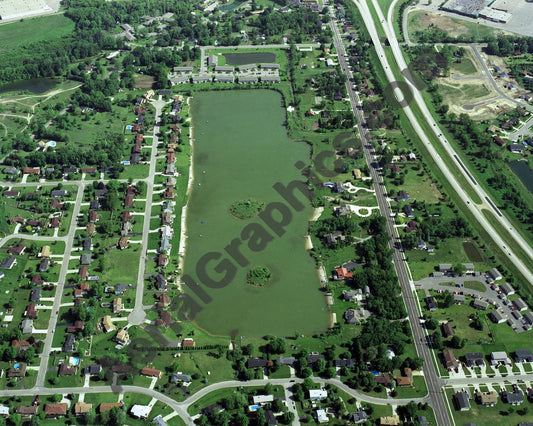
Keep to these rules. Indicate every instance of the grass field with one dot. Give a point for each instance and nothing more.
(420, 20)
(19, 33)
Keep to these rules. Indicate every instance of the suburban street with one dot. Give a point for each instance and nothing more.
(137, 316)
(45, 356)
(434, 384)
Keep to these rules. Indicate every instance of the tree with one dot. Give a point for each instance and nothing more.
(447, 299)
(436, 340)
(57, 397)
(459, 269)
(117, 416)
(261, 417)
(15, 419)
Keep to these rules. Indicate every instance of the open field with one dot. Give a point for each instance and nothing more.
(22, 33)
(245, 129)
(420, 20)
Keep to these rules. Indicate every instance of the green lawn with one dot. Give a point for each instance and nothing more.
(23, 32)
(122, 265)
(500, 414)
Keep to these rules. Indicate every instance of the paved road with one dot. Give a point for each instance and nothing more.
(495, 86)
(476, 210)
(137, 316)
(45, 356)
(40, 390)
(400, 265)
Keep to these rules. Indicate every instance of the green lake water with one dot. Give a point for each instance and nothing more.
(241, 149)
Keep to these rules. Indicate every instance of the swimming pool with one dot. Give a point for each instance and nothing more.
(16, 366)
(129, 127)
(52, 143)
(74, 360)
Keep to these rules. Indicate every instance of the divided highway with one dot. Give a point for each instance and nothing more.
(487, 203)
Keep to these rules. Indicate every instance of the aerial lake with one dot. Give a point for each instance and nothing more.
(36, 86)
(524, 173)
(241, 149)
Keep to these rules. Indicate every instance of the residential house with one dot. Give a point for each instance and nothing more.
(140, 411)
(35, 295)
(161, 282)
(495, 274)
(122, 337)
(11, 194)
(520, 305)
(86, 259)
(67, 370)
(8, 263)
(359, 416)
(26, 411)
(162, 260)
(352, 295)
(461, 400)
(118, 306)
(108, 324)
(92, 370)
(120, 288)
(497, 358)
(447, 330)
(515, 397)
(431, 303)
(256, 363)
(286, 360)
(26, 326)
(31, 311)
(83, 272)
(317, 394)
(356, 315)
(487, 399)
(333, 238)
(88, 244)
(393, 420)
(17, 371)
(187, 343)
(342, 274)
(76, 327)
(523, 355)
(93, 216)
(53, 411)
(59, 193)
(480, 304)
(82, 408)
(177, 378)
(151, 372)
(163, 300)
(17, 250)
(411, 226)
(402, 196)
(383, 379)
(497, 317)
(507, 289)
(449, 359)
(474, 359)
(44, 264)
(55, 222)
(123, 243)
(91, 229)
(68, 346)
(108, 406)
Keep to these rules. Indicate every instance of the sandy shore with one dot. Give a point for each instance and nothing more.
(183, 228)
